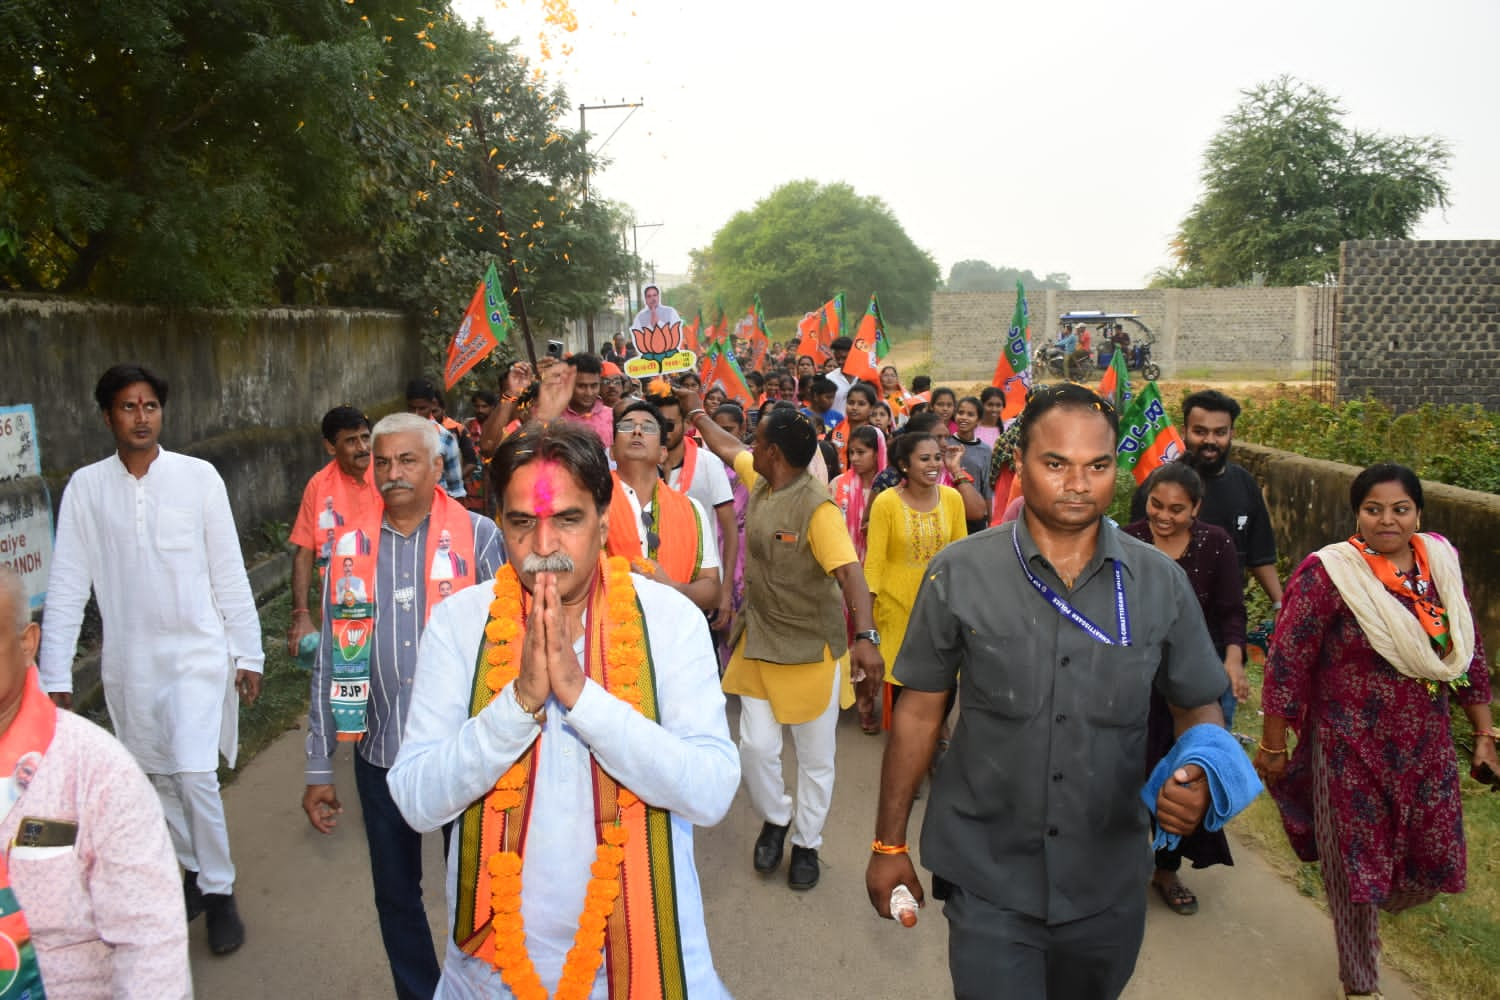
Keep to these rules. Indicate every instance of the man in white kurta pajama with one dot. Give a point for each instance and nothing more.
(152, 533)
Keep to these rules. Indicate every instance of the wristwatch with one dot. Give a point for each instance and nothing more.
(872, 634)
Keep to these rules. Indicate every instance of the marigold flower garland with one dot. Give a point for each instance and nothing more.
(624, 646)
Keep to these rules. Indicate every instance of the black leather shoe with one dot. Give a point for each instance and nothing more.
(804, 870)
(192, 897)
(226, 932)
(768, 847)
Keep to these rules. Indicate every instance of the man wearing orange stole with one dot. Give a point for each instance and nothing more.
(663, 533)
(568, 717)
(373, 620)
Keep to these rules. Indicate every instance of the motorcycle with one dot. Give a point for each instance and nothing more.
(1050, 362)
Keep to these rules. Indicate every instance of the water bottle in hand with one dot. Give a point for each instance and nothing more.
(904, 906)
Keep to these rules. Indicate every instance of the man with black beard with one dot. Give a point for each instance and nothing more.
(1231, 496)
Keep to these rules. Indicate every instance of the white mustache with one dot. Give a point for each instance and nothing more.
(396, 484)
(557, 562)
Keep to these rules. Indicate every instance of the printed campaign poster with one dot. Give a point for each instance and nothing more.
(25, 505)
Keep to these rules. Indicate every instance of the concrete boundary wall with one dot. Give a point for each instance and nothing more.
(1266, 331)
(247, 389)
(1309, 503)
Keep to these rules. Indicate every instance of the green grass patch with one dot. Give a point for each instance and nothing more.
(1450, 947)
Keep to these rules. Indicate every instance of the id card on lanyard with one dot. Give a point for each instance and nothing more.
(1072, 614)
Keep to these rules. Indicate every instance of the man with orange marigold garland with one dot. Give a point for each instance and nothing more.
(568, 719)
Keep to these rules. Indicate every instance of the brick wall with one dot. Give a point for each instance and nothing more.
(1419, 322)
(1263, 331)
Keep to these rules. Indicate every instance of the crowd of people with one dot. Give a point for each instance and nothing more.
(527, 627)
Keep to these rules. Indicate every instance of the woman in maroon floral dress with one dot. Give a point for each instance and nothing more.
(1375, 634)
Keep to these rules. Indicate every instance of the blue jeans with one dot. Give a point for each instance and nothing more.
(396, 870)
(1227, 703)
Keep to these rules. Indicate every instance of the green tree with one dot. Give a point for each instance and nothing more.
(806, 241)
(479, 171)
(158, 150)
(379, 153)
(1286, 181)
(982, 276)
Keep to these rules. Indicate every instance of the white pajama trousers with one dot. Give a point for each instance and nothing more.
(760, 764)
(195, 818)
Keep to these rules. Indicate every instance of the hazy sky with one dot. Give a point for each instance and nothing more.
(1062, 136)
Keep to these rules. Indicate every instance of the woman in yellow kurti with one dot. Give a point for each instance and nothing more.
(909, 524)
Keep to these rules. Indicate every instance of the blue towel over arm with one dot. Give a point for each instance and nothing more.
(1232, 782)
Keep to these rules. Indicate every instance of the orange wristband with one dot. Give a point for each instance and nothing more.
(880, 848)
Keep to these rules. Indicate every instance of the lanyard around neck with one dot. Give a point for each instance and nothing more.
(1072, 614)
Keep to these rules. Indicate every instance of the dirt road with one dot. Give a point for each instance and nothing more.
(307, 903)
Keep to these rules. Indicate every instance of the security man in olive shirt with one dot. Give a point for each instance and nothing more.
(1054, 628)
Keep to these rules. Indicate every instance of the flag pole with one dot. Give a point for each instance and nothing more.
(519, 300)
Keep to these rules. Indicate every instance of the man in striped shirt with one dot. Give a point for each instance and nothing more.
(401, 591)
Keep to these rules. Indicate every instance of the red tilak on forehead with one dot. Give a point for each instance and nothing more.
(543, 493)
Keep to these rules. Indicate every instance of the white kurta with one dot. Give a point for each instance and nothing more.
(163, 558)
(685, 764)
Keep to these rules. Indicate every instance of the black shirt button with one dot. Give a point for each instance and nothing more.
(1060, 718)
(1056, 775)
(1066, 660)
(1051, 831)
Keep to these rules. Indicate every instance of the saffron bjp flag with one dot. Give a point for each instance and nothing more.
(1115, 385)
(718, 333)
(810, 337)
(724, 372)
(833, 320)
(1147, 436)
(690, 332)
(485, 325)
(760, 339)
(1013, 369)
(863, 360)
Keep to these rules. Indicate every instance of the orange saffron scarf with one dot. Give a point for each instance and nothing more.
(447, 563)
(674, 526)
(1417, 588)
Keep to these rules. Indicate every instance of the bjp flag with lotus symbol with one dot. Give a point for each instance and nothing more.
(1147, 435)
(1013, 369)
(485, 325)
(863, 361)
